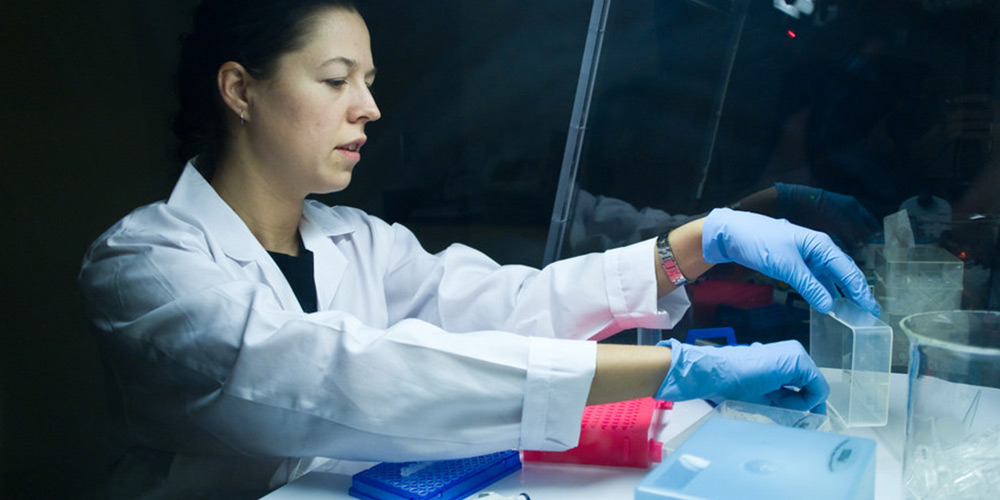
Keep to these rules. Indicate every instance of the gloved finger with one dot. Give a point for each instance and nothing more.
(830, 284)
(803, 387)
(826, 259)
(801, 399)
(849, 279)
(820, 409)
(790, 399)
(809, 287)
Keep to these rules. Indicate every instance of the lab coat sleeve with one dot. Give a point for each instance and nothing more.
(587, 297)
(209, 364)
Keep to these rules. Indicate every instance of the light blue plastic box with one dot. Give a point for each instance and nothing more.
(727, 459)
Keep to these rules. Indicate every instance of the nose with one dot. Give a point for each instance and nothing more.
(365, 109)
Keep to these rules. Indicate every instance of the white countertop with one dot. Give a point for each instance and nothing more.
(544, 481)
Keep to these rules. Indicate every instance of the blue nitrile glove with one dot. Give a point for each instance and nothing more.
(807, 260)
(778, 374)
(839, 215)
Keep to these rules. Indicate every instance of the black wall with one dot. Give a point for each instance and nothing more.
(84, 138)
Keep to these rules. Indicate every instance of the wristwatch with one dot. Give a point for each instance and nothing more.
(674, 273)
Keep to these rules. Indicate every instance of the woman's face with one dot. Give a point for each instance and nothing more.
(307, 123)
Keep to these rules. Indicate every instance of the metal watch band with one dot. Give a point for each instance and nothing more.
(669, 262)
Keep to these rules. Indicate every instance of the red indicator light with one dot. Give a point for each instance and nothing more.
(791, 34)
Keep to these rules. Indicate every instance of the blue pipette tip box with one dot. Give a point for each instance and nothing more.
(438, 480)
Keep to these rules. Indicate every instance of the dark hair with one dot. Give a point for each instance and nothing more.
(253, 33)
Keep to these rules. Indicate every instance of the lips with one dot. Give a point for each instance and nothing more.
(353, 146)
(351, 150)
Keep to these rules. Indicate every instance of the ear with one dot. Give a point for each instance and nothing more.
(233, 81)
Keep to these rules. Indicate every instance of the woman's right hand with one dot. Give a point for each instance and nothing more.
(807, 260)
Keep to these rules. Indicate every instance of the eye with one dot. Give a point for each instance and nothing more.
(336, 82)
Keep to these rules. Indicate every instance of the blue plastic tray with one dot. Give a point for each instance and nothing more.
(440, 480)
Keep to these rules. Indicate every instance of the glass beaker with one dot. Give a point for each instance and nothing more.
(952, 446)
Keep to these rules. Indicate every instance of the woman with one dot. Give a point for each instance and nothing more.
(250, 330)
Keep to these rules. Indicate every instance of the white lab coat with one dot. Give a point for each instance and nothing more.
(410, 356)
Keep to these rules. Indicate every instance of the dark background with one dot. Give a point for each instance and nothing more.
(476, 99)
(87, 99)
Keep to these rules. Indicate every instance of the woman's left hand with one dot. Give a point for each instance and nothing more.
(778, 374)
(807, 260)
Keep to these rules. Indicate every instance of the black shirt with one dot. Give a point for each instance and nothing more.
(298, 270)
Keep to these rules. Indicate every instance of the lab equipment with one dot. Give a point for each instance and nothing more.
(740, 410)
(795, 8)
(926, 268)
(853, 350)
(801, 257)
(757, 373)
(704, 336)
(929, 212)
(952, 448)
(438, 480)
(489, 495)
(974, 240)
(911, 280)
(727, 458)
(616, 434)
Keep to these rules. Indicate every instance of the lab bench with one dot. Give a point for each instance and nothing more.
(552, 481)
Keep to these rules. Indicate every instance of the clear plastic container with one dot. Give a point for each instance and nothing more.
(925, 267)
(913, 301)
(750, 412)
(973, 238)
(739, 410)
(853, 350)
(918, 298)
(952, 446)
(915, 280)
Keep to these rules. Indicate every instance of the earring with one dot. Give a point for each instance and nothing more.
(243, 121)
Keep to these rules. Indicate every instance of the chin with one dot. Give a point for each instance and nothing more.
(334, 185)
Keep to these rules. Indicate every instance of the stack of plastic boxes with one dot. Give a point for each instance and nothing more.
(914, 280)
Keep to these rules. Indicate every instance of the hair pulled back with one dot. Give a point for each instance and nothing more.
(253, 33)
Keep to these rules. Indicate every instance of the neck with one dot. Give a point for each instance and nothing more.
(271, 216)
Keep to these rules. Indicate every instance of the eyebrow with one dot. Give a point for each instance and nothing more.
(350, 63)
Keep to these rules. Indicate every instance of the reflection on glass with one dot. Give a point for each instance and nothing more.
(872, 106)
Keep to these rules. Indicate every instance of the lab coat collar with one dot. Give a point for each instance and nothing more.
(192, 192)
(318, 227)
